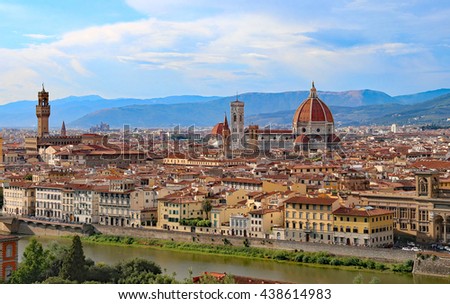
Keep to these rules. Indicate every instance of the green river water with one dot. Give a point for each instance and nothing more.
(180, 262)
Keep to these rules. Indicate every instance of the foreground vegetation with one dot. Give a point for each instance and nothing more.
(61, 264)
(317, 258)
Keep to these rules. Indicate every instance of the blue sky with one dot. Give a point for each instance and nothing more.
(153, 48)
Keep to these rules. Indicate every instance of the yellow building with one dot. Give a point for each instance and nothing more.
(309, 219)
(423, 214)
(262, 221)
(171, 210)
(237, 196)
(220, 216)
(363, 227)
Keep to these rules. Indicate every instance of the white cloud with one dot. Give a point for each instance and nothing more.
(38, 36)
(215, 50)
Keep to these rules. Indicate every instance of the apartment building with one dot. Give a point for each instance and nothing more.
(363, 226)
(19, 199)
(310, 219)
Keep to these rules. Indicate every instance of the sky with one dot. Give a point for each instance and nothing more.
(154, 48)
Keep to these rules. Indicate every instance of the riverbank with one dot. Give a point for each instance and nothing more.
(378, 254)
(183, 264)
(322, 259)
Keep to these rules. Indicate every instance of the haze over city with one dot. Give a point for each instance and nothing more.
(147, 49)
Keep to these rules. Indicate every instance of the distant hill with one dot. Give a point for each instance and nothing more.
(22, 113)
(421, 97)
(210, 112)
(434, 111)
(353, 107)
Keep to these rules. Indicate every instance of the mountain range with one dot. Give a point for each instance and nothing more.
(355, 107)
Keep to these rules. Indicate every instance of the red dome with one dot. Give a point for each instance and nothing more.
(221, 128)
(312, 109)
(217, 129)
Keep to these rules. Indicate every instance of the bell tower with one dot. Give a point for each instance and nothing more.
(237, 124)
(42, 113)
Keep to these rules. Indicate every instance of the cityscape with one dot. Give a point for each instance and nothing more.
(355, 182)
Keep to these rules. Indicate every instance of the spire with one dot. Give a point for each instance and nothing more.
(225, 121)
(43, 89)
(63, 129)
(312, 91)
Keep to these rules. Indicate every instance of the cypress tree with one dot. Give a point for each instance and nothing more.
(74, 264)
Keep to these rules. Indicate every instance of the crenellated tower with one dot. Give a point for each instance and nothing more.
(42, 113)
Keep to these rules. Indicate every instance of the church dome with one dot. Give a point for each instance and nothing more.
(312, 109)
(217, 129)
(221, 128)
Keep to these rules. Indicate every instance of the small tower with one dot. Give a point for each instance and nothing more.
(63, 130)
(42, 113)
(427, 184)
(237, 123)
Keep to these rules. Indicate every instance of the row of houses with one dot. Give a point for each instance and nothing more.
(117, 202)
(280, 215)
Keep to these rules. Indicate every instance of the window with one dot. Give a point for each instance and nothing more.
(8, 271)
(9, 251)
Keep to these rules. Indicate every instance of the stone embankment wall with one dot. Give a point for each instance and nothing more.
(24, 228)
(432, 265)
(380, 254)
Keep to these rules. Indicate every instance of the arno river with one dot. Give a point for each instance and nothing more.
(181, 262)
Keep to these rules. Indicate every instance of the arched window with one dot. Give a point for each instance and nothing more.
(234, 117)
(423, 186)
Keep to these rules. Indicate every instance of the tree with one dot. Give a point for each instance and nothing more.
(137, 271)
(207, 207)
(34, 265)
(102, 273)
(74, 264)
(56, 256)
(210, 279)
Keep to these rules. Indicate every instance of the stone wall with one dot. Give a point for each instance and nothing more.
(24, 228)
(380, 254)
(432, 265)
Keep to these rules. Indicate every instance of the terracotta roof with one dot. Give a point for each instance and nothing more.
(242, 180)
(311, 200)
(21, 184)
(6, 238)
(312, 109)
(361, 211)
